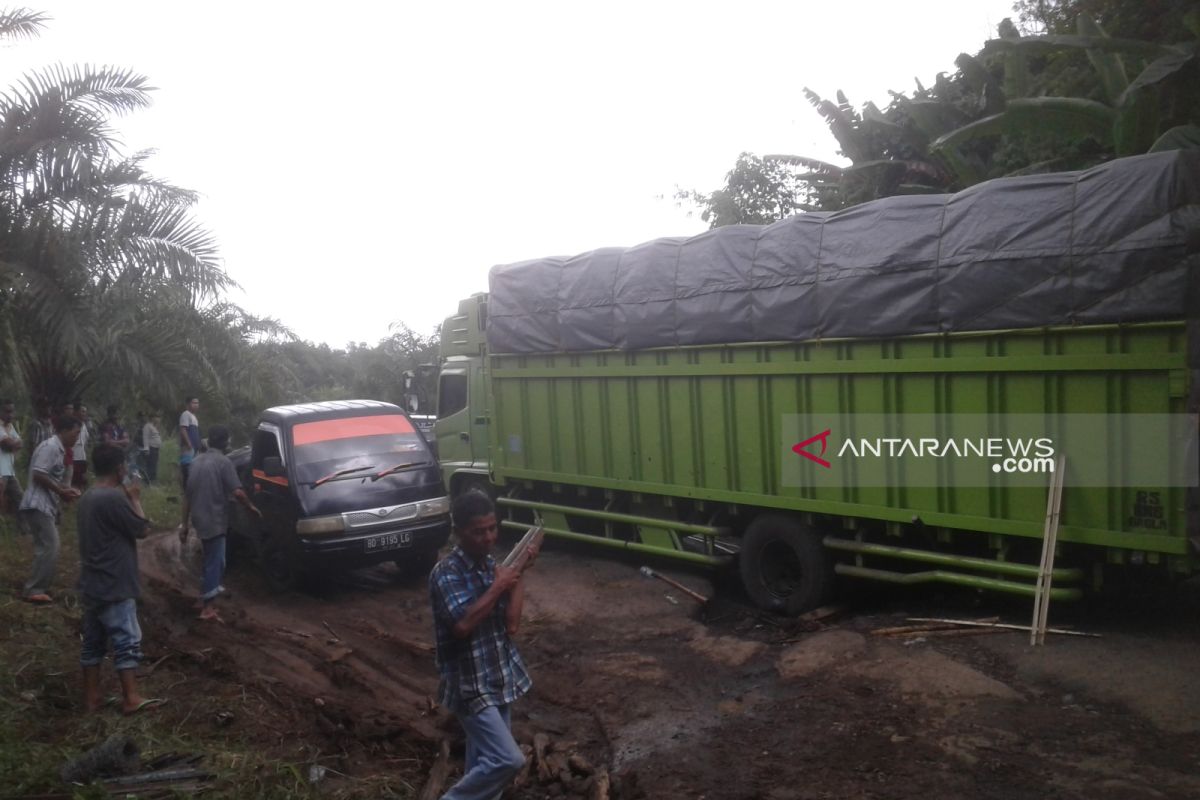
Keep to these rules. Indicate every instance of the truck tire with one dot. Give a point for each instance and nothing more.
(784, 566)
(280, 563)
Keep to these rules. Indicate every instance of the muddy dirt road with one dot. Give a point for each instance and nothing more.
(630, 675)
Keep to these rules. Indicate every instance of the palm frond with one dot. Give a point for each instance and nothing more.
(99, 90)
(21, 23)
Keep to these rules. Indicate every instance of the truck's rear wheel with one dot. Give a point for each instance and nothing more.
(784, 566)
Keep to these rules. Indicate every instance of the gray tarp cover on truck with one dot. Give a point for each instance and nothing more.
(1109, 244)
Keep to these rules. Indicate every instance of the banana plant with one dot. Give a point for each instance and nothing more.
(1127, 122)
(888, 156)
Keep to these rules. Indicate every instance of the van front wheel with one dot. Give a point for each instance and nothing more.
(784, 566)
(280, 562)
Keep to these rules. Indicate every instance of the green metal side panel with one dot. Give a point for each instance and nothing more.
(705, 422)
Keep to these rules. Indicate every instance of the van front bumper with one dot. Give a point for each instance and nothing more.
(376, 544)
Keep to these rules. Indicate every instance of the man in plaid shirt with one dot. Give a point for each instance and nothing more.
(476, 609)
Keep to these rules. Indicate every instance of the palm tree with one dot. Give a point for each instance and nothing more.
(91, 245)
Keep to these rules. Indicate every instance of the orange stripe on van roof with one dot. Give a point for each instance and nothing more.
(349, 427)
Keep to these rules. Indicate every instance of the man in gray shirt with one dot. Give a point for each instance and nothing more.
(49, 484)
(211, 483)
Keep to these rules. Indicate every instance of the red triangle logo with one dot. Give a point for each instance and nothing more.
(801, 448)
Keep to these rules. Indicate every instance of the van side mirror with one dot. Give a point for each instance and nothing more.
(273, 467)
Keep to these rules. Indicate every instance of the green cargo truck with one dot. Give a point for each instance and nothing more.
(741, 395)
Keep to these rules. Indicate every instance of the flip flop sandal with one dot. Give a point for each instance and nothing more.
(39, 599)
(148, 703)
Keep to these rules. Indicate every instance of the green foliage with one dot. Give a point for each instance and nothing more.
(1181, 137)
(1164, 21)
(1065, 115)
(95, 252)
(110, 289)
(1051, 94)
(756, 191)
(1131, 115)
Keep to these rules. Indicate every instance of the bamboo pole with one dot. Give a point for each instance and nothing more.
(968, 623)
(1041, 594)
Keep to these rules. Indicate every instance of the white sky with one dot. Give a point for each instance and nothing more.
(365, 162)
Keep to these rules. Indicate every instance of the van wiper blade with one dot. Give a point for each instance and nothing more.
(396, 468)
(340, 473)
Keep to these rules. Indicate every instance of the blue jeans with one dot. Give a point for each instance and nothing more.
(111, 622)
(214, 566)
(493, 757)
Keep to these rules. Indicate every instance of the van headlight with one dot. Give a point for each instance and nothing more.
(434, 508)
(321, 526)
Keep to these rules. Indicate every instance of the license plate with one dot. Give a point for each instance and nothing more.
(388, 541)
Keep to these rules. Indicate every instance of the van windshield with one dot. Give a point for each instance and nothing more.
(367, 445)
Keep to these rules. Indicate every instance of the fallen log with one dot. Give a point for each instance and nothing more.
(523, 776)
(600, 786)
(436, 781)
(554, 768)
(541, 743)
(579, 765)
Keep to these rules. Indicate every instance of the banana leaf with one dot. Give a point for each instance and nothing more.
(1037, 45)
(1028, 116)
(933, 117)
(1159, 70)
(1108, 65)
(1136, 125)
(1181, 137)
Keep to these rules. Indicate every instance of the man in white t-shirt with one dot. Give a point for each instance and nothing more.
(10, 443)
(79, 453)
(189, 438)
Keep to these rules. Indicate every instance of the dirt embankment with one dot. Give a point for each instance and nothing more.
(730, 704)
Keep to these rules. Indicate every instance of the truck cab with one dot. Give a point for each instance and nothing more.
(340, 484)
(461, 430)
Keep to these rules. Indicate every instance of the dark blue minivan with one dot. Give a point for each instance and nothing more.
(343, 483)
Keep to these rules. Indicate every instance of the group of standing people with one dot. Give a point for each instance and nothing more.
(477, 604)
(110, 520)
(59, 449)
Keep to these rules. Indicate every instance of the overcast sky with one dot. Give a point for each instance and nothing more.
(363, 163)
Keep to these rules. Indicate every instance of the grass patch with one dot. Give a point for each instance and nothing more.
(42, 723)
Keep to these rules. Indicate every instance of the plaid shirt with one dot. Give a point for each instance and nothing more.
(484, 669)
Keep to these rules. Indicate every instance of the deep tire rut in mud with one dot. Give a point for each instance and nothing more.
(628, 677)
